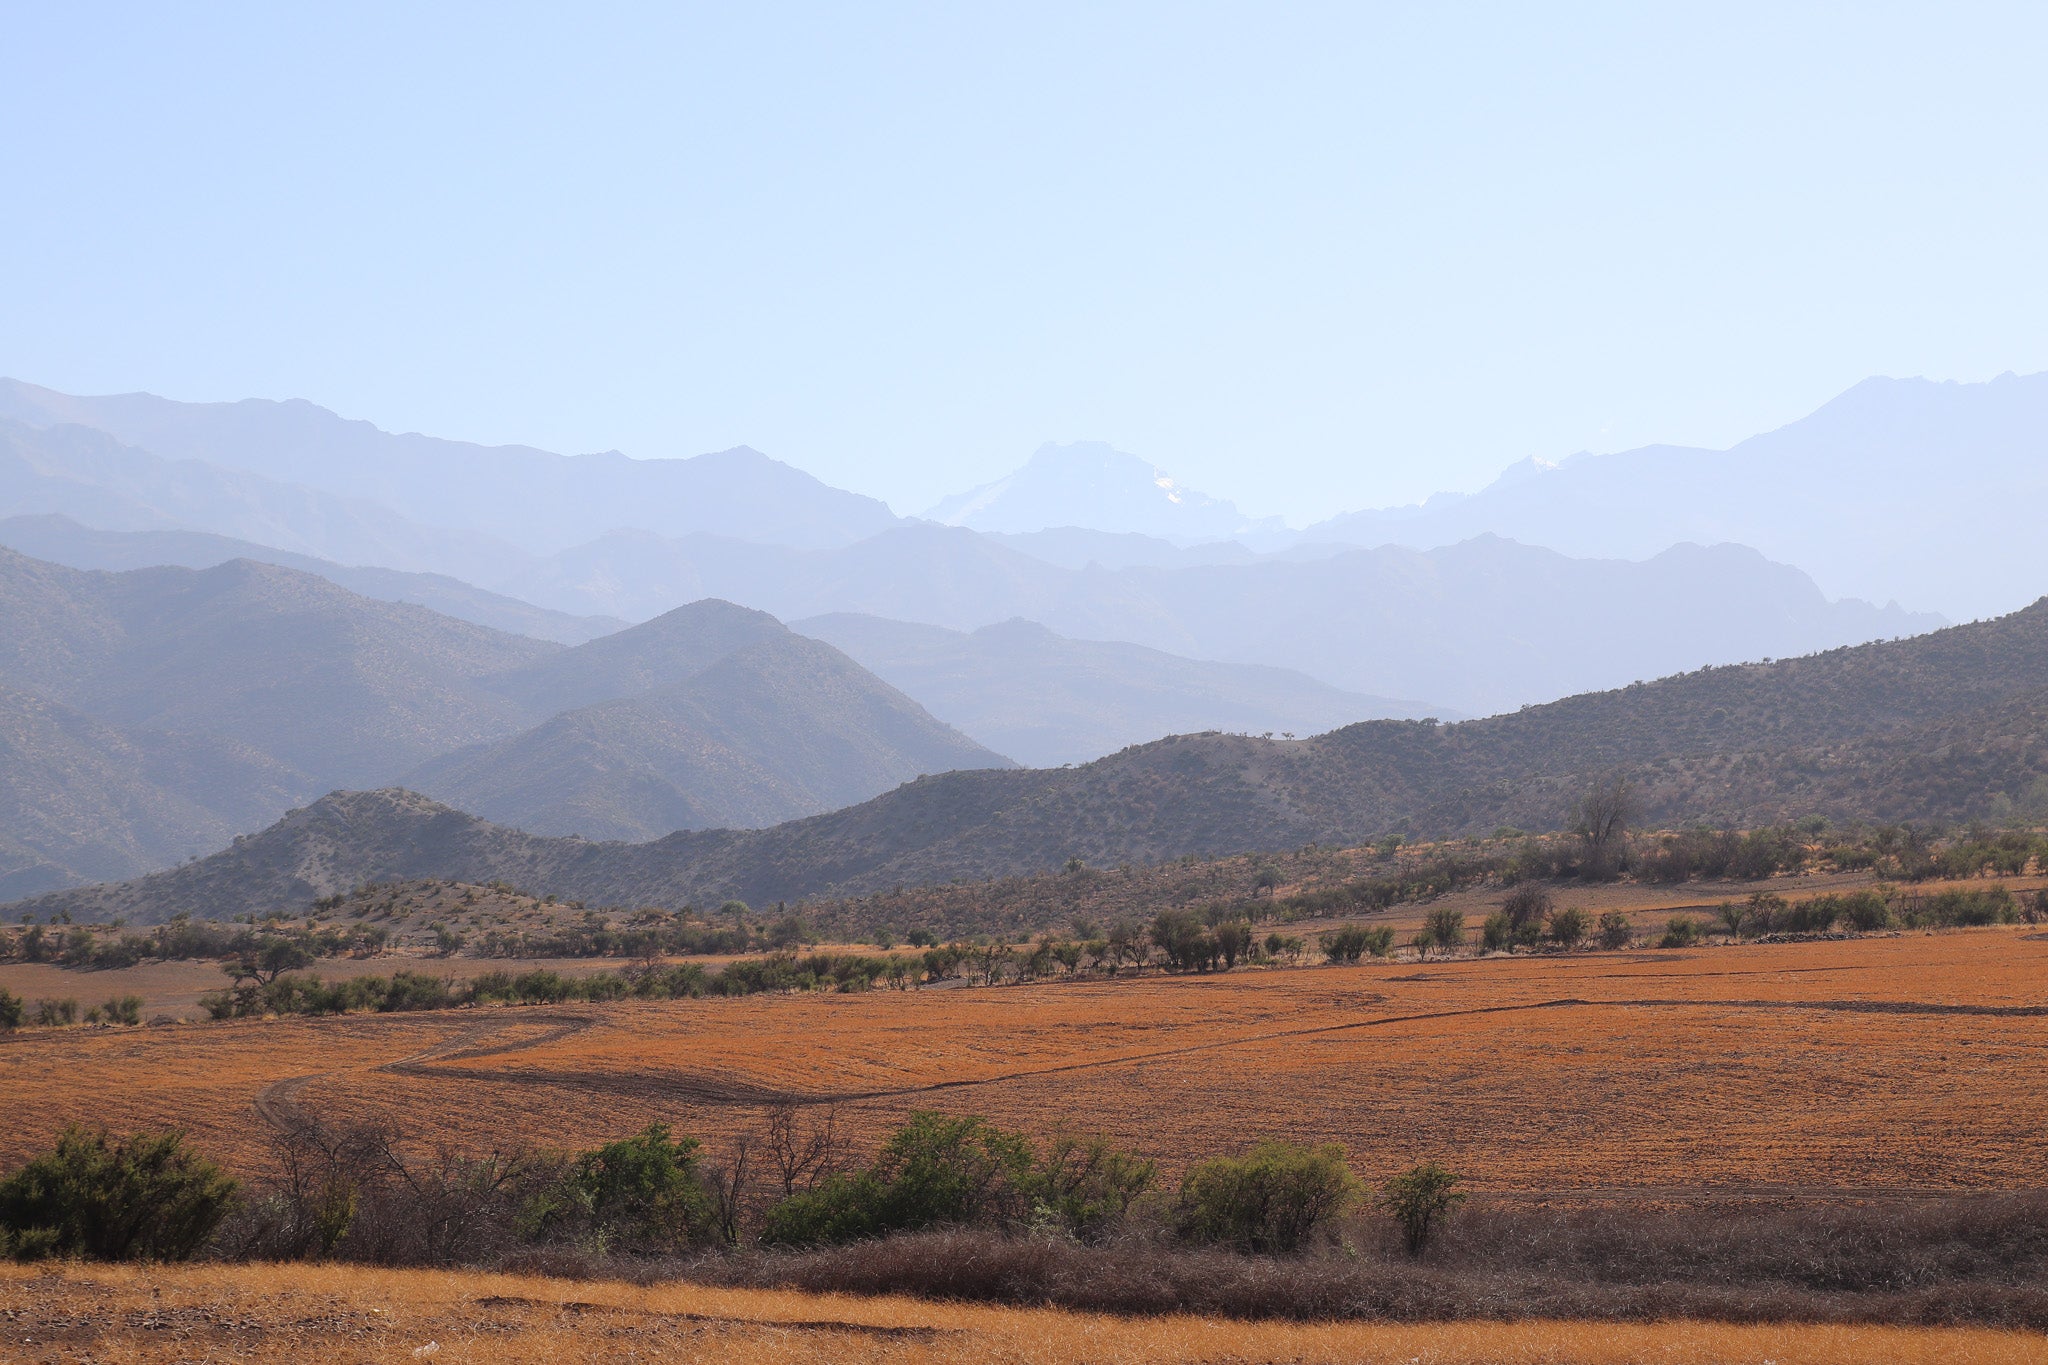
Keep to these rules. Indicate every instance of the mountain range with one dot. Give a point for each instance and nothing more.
(1472, 627)
(152, 714)
(1946, 726)
(1898, 490)
(1048, 701)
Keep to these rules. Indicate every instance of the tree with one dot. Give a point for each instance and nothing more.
(143, 1197)
(1601, 821)
(10, 1010)
(269, 960)
(1615, 931)
(804, 1149)
(1419, 1199)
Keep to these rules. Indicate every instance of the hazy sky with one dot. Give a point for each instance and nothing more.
(1312, 258)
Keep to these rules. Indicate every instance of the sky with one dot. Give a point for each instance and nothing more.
(1311, 258)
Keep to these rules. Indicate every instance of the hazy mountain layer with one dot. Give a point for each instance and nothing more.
(1478, 627)
(91, 477)
(61, 540)
(1947, 726)
(770, 731)
(1047, 700)
(538, 499)
(1899, 489)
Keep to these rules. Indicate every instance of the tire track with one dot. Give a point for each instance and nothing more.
(277, 1103)
(707, 1090)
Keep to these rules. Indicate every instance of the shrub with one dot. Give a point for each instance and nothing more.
(122, 1009)
(1086, 1184)
(1497, 932)
(1526, 907)
(1350, 942)
(1615, 931)
(1815, 916)
(1270, 1200)
(10, 1010)
(143, 1197)
(56, 1013)
(934, 1171)
(838, 1209)
(1445, 927)
(1569, 925)
(644, 1192)
(1866, 911)
(1680, 931)
(1419, 1199)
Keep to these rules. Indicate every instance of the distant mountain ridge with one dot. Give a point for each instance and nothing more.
(1047, 700)
(61, 540)
(1900, 490)
(150, 714)
(516, 493)
(1477, 627)
(1946, 726)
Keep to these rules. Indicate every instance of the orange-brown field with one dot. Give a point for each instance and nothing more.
(336, 1314)
(1906, 1064)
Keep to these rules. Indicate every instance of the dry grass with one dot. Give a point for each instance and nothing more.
(128, 1316)
(1731, 1072)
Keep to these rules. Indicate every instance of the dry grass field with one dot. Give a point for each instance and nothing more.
(338, 1314)
(1908, 1064)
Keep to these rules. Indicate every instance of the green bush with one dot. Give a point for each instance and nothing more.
(1270, 1200)
(143, 1197)
(1419, 1199)
(1348, 943)
(1569, 926)
(122, 1009)
(841, 1208)
(1866, 911)
(645, 1192)
(1497, 932)
(56, 1013)
(1446, 927)
(941, 1171)
(1615, 931)
(10, 1010)
(1680, 931)
(1085, 1184)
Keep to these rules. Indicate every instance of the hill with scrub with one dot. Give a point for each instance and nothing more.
(1940, 727)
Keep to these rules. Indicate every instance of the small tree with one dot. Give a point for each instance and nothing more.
(1419, 1200)
(10, 1010)
(1526, 907)
(1615, 931)
(1270, 1200)
(144, 1197)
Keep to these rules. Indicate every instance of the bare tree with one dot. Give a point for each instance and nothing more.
(729, 1182)
(805, 1148)
(1601, 820)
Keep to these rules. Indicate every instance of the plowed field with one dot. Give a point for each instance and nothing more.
(1905, 1064)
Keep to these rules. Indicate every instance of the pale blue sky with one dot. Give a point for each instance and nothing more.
(1309, 257)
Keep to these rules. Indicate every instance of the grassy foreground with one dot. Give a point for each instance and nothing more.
(327, 1313)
